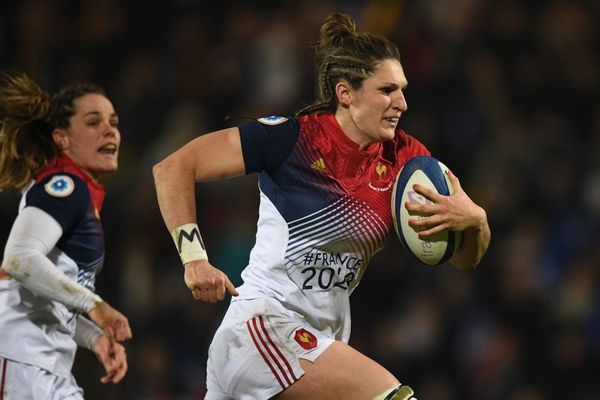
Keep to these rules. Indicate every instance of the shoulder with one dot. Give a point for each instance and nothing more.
(266, 142)
(59, 185)
(404, 146)
(410, 142)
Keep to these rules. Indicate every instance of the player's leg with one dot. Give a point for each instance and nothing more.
(342, 372)
(21, 381)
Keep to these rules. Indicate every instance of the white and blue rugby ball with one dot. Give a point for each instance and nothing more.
(431, 173)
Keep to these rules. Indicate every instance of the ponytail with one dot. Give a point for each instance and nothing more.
(25, 131)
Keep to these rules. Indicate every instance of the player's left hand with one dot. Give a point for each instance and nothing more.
(114, 324)
(113, 357)
(456, 212)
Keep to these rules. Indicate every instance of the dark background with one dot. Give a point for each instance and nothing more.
(504, 93)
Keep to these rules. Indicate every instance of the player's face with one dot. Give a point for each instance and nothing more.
(93, 138)
(377, 105)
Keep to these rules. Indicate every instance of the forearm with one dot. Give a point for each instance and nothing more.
(86, 332)
(474, 244)
(33, 235)
(175, 191)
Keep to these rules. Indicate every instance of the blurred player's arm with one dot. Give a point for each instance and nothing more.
(111, 354)
(33, 235)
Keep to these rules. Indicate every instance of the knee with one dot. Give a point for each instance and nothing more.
(400, 392)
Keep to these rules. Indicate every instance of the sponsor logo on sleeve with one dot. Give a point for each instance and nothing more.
(60, 186)
(272, 120)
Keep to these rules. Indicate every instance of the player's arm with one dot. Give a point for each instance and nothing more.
(472, 220)
(209, 157)
(33, 235)
(213, 156)
(111, 354)
(456, 212)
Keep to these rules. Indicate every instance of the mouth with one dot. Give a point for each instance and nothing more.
(108, 149)
(392, 120)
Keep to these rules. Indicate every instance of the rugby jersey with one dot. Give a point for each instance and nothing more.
(34, 330)
(324, 212)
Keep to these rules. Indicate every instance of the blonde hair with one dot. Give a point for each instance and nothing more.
(344, 53)
(29, 116)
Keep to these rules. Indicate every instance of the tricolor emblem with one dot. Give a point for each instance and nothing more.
(305, 339)
(60, 186)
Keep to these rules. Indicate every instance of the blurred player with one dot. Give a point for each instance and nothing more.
(325, 186)
(54, 149)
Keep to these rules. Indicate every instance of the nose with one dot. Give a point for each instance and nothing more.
(111, 130)
(399, 102)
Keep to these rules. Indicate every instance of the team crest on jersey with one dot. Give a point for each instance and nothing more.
(60, 186)
(380, 179)
(305, 339)
(272, 120)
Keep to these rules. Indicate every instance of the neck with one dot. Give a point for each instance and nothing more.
(350, 129)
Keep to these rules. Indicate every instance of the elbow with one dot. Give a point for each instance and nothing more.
(158, 170)
(466, 262)
(14, 266)
(465, 266)
(171, 166)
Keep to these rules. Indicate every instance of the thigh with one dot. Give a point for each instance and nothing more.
(341, 372)
(256, 352)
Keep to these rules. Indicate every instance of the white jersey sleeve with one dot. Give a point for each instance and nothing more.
(33, 235)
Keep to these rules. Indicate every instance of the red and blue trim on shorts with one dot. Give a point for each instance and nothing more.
(270, 353)
(3, 365)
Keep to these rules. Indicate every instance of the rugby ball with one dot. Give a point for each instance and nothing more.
(431, 173)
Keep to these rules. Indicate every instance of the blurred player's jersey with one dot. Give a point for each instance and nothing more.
(34, 330)
(324, 211)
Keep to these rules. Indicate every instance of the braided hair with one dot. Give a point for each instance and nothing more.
(344, 53)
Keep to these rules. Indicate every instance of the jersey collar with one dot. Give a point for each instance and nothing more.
(64, 163)
(332, 127)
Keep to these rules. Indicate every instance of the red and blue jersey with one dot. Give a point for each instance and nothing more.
(35, 330)
(74, 200)
(324, 211)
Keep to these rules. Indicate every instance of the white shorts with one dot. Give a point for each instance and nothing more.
(19, 381)
(254, 353)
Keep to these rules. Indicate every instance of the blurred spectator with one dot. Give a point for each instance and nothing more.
(505, 93)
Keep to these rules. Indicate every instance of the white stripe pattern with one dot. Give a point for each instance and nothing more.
(347, 224)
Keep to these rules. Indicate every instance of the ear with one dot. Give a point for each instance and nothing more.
(343, 92)
(61, 139)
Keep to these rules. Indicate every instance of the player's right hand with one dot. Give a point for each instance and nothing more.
(114, 324)
(207, 283)
(113, 357)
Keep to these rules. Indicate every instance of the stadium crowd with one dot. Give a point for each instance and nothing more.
(507, 94)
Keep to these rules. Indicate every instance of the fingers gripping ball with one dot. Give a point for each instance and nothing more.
(432, 174)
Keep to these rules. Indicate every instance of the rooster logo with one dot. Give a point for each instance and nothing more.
(381, 171)
(305, 339)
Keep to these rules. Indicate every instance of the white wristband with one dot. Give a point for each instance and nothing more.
(189, 243)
